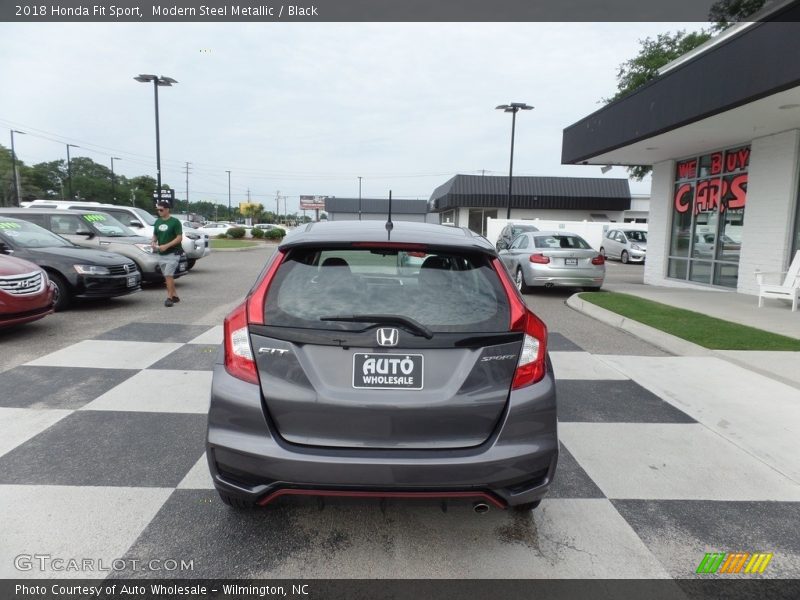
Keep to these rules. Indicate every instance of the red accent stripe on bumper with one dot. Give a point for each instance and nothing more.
(485, 496)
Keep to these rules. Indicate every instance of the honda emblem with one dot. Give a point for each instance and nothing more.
(388, 336)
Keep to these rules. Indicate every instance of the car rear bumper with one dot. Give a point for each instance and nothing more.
(248, 458)
(542, 275)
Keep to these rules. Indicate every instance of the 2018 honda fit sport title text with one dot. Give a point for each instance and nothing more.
(369, 364)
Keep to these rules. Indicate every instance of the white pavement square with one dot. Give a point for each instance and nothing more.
(671, 462)
(582, 365)
(158, 390)
(212, 336)
(18, 425)
(106, 354)
(97, 523)
(761, 415)
(198, 478)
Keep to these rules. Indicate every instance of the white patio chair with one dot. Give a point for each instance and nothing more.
(789, 289)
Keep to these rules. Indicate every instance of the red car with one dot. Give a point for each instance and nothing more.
(26, 293)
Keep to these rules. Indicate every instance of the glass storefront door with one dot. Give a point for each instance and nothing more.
(708, 217)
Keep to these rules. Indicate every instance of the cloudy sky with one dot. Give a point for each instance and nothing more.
(308, 108)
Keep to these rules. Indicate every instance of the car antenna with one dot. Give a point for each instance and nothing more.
(389, 224)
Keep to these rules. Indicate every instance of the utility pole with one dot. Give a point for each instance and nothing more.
(359, 198)
(285, 210)
(187, 188)
(14, 166)
(229, 195)
(277, 206)
(69, 170)
(113, 180)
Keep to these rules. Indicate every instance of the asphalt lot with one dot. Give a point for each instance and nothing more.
(210, 290)
(97, 461)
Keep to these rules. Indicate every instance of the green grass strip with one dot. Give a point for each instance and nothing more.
(233, 244)
(715, 334)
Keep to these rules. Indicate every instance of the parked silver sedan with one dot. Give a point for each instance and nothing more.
(553, 258)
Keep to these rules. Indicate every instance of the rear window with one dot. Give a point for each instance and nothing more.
(445, 291)
(555, 242)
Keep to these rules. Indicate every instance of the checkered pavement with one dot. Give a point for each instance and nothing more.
(102, 456)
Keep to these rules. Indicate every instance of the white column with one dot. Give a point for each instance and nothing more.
(659, 224)
(770, 210)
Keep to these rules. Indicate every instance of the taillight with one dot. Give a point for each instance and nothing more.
(599, 260)
(532, 363)
(239, 361)
(539, 259)
(258, 295)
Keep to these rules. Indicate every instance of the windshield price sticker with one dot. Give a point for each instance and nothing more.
(388, 371)
(6, 225)
(94, 218)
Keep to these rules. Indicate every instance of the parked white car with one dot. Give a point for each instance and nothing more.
(627, 245)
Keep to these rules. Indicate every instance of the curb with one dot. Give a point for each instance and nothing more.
(664, 341)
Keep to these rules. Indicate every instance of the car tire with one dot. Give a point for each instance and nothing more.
(593, 288)
(526, 507)
(190, 263)
(603, 252)
(62, 295)
(624, 257)
(235, 501)
(519, 280)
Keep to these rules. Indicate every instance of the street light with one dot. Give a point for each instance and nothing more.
(14, 165)
(359, 198)
(165, 82)
(229, 195)
(69, 170)
(513, 108)
(113, 191)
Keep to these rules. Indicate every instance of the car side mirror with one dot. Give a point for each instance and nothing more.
(89, 234)
(136, 224)
(4, 249)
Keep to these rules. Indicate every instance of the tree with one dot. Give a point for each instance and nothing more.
(725, 13)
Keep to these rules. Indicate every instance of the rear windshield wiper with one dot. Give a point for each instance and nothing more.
(414, 326)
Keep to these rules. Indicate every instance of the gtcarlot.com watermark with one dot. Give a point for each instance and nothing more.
(49, 563)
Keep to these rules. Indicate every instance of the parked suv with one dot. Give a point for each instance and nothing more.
(627, 245)
(511, 231)
(195, 243)
(76, 272)
(347, 373)
(99, 231)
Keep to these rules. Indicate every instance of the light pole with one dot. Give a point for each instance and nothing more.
(513, 108)
(69, 170)
(164, 82)
(229, 194)
(14, 165)
(113, 182)
(359, 198)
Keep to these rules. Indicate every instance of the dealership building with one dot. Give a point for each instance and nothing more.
(721, 128)
(470, 200)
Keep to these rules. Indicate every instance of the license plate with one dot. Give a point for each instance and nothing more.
(571, 262)
(387, 371)
(132, 281)
(182, 266)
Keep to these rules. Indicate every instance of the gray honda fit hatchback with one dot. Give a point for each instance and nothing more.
(383, 362)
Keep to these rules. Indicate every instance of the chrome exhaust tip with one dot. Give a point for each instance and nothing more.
(480, 508)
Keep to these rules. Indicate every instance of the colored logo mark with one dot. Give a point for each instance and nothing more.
(734, 562)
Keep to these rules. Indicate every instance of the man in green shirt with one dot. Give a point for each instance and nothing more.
(167, 237)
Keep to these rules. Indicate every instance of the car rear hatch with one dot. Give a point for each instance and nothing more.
(386, 347)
